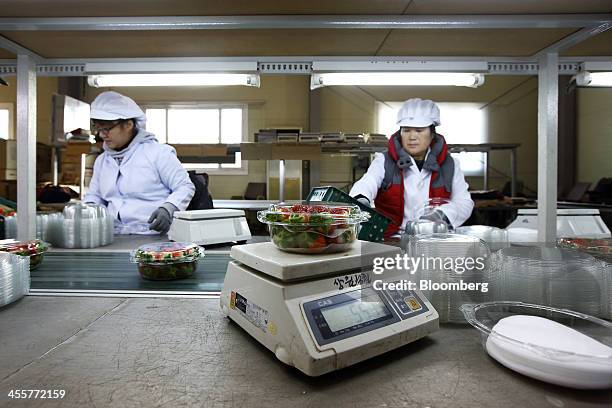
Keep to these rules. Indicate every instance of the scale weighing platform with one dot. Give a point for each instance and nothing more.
(571, 223)
(320, 313)
(207, 227)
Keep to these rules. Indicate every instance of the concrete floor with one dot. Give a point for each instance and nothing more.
(108, 352)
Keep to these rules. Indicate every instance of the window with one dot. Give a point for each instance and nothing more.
(462, 123)
(201, 124)
(6, 121)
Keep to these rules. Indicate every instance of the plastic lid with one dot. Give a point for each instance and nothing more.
(307, 214)
(167, 252)
(79, 210)
(24, 248)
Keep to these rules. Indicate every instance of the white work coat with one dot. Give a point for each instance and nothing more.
(149, 175)
(416, 191)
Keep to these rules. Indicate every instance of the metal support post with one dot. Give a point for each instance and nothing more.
(513, 172)
(486, 170)
(281, 180)
(548, 95)
(26, 147)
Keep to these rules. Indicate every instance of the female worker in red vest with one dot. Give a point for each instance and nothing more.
(416, 167)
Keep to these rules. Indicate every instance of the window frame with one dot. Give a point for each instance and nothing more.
(244, 168)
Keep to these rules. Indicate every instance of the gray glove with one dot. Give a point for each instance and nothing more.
(161, 219)
(435, 215)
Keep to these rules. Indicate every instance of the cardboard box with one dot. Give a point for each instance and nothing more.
(8, 174)
(70, 173)
(8, 190)
(8, 159)
(73, 151)
(8, 154)
(43, 161)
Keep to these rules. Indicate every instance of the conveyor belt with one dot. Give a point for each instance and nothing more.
(112, 274)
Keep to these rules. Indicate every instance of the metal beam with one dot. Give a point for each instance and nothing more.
(18, 49)
(26, 148)
(574, 39)
(548, 103)
(303, 22)
(303, 65)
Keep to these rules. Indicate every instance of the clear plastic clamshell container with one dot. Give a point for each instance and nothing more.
(167, 260)
(557, 277)
(313, 229)
(599, 248)
(521, 337)
(495, 237)
(34, 249)
(85, 226)
(14, 277)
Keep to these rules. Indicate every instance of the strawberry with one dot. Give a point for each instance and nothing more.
(338, 210)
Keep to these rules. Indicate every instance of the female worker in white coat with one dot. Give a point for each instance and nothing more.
(140, 181)
(416, 167)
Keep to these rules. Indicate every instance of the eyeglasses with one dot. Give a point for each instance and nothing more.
(97, 129)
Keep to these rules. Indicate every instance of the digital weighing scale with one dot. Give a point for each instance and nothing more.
(320, 313)
(571, 223)
(207, 227)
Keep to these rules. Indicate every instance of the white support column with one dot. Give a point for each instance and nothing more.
(26, 147)
(548, 100)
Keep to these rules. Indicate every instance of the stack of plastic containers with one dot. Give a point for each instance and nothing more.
(10, 227)
(550, 276)
(495, 237)
(46, 226)
(85, 226)
(450, 260)
(14, 277)
(79, 226)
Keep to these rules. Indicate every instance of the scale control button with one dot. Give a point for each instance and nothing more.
(403, 307)
(413, 303)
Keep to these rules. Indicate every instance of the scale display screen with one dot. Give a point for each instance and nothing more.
(348, 314)
(317, 194)
(353, 313)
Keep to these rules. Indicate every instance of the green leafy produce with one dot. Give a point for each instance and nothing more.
(157, 271)
(312, 228)
(35, 249)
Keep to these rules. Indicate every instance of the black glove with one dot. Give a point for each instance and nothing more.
(362, 199)
(161, 219)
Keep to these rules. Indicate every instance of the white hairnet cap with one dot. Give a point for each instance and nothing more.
(418, 113)
(112, 106)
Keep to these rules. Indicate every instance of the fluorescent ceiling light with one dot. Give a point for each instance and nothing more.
(601, 79)
(396, 78)
(208, 79)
